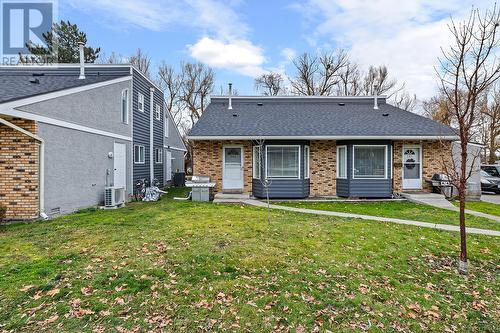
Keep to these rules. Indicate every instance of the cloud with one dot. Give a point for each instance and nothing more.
(238, 55)
(406, 36)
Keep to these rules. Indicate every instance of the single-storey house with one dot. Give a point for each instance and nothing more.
(317, 146)
(68, 131)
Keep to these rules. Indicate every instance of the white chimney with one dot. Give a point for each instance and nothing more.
(230, 106)
(82, 60)
(375, 97)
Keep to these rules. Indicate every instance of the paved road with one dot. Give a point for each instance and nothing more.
(490, 197)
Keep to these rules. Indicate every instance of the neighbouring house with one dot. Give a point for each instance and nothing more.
(317, 146)
(67, 131)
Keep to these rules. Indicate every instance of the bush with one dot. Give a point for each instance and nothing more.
(3, 212)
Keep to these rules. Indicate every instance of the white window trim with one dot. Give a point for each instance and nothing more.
(165, 127)
(370, 146)
(160, 160)
(128, 106)
(158, 112)
(307, 154)
(253, 162)
(144, 155)
(266, 173)
(139, 97)
(345, 162)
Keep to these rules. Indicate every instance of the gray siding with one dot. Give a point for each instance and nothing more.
(75, 168)
(365, 188)
(141, 126)
(174, 139)
(284, 188)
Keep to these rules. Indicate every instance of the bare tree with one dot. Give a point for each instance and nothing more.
(318, 75)
(377, 80)
(404, 100)
(171, 83)
(438, 108)
(270, 84)
(467, 70)
(198, 83)
(142, 61)
(350, 80)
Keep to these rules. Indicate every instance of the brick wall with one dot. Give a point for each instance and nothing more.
(207, 161)
(323, 163)
(19, 170)
(434, 154)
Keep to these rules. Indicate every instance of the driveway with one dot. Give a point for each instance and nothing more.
(490, 197)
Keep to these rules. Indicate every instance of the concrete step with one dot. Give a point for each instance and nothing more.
(230, 197)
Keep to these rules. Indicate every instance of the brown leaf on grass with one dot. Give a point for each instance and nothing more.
(120, 301)
(37, 295)
(52, 292)
(104, 313)
(364, 289)
(415, 307)
(203, 304)
(35, 309)
(96, 259)
(75, 303)
(80, 312)
(432, 314)
(300, 329)
(87, 291)
(26, 288)
(50, 320)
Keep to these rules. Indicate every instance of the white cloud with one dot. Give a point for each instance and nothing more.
(288, 53)
(404, 35)
(238, 55)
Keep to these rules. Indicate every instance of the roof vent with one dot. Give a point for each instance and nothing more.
(235, 115)
(259, 104)
(230, 106)
(385, 114)
(34, 80)
(341, 104)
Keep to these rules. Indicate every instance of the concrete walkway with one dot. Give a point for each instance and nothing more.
(374, 218)
(439, 201)
(491, 198)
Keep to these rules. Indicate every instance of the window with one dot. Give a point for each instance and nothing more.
(158, 156)
(342, 162)
(140, 101)
(306, 162)
(158, 112)
(139, 154)
(282, 161)
(256, 162)
(370, 162)
(124, 106)
(166, 125)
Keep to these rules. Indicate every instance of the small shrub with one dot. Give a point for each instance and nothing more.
(3, 212)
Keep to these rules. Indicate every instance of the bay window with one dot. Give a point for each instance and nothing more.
(283, 161)
(369, 162)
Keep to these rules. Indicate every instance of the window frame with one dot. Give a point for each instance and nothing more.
(143, 154)
(307, 154)
(125, 119)
(345, 163)
(369, 146)
(139, 102)
(254, 161)
(266, 166)
(166, 126)
(158, 112)
(158, 155)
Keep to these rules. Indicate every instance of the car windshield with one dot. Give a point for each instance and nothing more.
(485, 174)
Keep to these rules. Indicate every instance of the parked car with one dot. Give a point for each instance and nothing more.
(492, 169)
(489, 183)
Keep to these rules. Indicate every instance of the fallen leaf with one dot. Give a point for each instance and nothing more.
(52, 292)
(86, 291)
(26, 288)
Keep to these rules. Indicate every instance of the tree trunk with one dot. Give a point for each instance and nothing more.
(463, 263)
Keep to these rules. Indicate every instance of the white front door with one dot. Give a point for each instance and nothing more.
(168, 166)
(232, 169)
(120, 164)
(412, 167)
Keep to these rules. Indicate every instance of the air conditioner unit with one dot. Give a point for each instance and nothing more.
(114, 197)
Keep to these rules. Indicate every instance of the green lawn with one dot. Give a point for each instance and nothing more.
(481, 206)
(198, 267)
(397, 209)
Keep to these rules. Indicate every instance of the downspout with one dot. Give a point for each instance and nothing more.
(41, 166)
(151, 136)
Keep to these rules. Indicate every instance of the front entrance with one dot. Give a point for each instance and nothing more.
(412, 167)
(232, 168)
(120, 165)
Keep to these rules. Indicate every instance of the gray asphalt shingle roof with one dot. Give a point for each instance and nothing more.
(15, 83)
(303, 117)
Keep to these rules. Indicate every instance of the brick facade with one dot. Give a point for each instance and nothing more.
(19, 170)
(323, 164)
(207, 161)
(434, 154)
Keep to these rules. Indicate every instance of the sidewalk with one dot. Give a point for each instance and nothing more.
(374, 218)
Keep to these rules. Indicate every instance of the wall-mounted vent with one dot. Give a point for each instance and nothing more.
(34, 80)
(55, 211)
(341, 104)
(260, 104)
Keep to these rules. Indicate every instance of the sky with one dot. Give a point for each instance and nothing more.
(242, 39)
